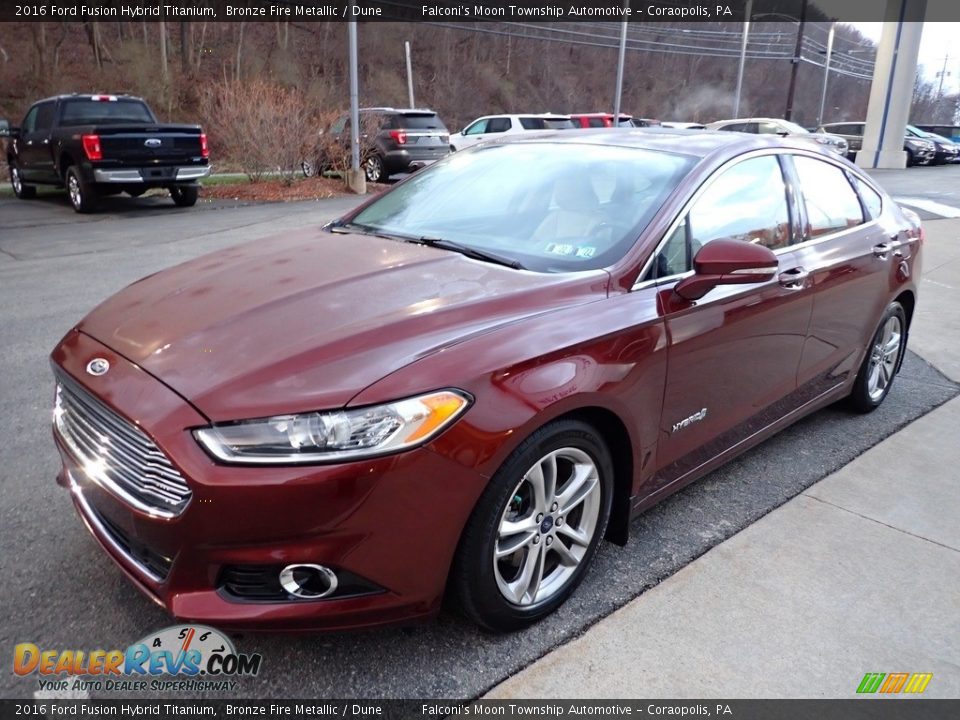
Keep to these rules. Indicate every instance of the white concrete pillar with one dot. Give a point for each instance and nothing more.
(892, 89)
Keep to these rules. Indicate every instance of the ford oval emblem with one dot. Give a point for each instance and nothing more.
(153, 142)
(98, 366)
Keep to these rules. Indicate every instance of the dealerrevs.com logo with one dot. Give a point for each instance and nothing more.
(204, 655)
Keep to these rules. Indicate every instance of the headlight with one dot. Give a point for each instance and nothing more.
(319, 437)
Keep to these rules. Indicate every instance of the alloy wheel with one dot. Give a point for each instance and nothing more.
(373, 168)
(73, 188)
(884, 356)
(15, 180)
(547, 526)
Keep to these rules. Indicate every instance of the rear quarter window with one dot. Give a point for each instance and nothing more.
(831, 202)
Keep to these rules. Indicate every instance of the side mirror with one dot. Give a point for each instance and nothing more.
(727, 262)
(782, 133)
(6, 130)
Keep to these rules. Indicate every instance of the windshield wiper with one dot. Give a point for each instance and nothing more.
(468, 251)
(349, 228)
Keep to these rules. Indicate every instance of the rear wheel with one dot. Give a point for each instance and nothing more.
(83, 196)
(185, 195)
(536, 528)
(374, 169)
(20, 189)
(883, 358)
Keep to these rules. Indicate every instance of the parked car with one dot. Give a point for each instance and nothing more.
(496, 126)
(391, 141)
(782, 128)
(600, 120)
(945, 150)
(920, 151)
(950, 132)
(97, 145)
(645, 122)
(432, 395)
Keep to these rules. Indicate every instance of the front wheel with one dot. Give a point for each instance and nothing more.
(185, 195)
(373, 168)
(536, 528)
(911, 161)
(882, 361)
(83, 196)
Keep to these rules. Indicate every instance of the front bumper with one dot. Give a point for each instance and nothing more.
(394, 521)
(128, 176)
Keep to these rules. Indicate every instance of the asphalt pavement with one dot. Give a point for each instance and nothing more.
(60, 591)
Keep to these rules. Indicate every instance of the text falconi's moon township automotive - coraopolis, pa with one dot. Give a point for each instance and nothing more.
(579, 11)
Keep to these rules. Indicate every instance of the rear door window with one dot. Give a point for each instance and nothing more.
(498, 125)
(595, 122)
(832, 205)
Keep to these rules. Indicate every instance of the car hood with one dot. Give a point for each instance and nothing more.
(306, 321)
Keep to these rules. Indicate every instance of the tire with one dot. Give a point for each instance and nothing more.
(136, 192)
(374, 169)
(453, 149)
(20, 189)
(910, 159)
(83, 196)
(185, 195)
(307, 168)
(503, 594)
(882, 361)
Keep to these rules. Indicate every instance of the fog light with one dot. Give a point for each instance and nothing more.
(309, 582)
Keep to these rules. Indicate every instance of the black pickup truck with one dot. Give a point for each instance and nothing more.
(98, 145)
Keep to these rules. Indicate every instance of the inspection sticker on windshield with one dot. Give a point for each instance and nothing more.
(567, 249)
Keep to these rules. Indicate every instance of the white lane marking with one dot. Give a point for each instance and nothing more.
(943, 285)
(932, 206)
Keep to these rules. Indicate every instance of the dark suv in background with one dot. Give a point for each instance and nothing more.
(920, 151)
(393, 141)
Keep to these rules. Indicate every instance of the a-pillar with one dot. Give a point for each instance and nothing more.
(892, 90)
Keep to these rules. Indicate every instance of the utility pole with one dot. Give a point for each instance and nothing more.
(826, 73)
(788, 115)
(406, 46)
(619, 92)
(743, 57)
(943, 74)
(355, 178)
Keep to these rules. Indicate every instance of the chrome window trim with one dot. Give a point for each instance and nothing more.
(640, 283)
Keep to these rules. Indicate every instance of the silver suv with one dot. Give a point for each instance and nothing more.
(783, 128)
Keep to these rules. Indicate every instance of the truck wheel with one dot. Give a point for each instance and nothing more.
(83, 196)
(185, 195)
(20, 189)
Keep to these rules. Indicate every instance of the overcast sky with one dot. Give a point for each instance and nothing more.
(939, 41)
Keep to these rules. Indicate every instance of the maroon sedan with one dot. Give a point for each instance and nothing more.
(469, 382)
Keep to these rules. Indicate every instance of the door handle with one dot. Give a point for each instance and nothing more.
(882, 250)
(794, 278)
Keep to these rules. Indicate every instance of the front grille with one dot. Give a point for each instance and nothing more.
(153, 562)
(116, 454)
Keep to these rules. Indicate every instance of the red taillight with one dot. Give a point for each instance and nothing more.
(204, 148)
(400, 136)
(91, 146)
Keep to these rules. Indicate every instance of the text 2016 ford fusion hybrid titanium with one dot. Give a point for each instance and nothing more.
(469, 382)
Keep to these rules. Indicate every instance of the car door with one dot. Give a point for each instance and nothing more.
(733, 355)
(27, 153)
(41, 149)
(850, 258)
(475, 132)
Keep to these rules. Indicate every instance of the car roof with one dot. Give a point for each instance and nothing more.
(403, 111)
(672, 140)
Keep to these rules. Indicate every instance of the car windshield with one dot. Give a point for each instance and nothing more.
(85, 111)
(582, 209)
